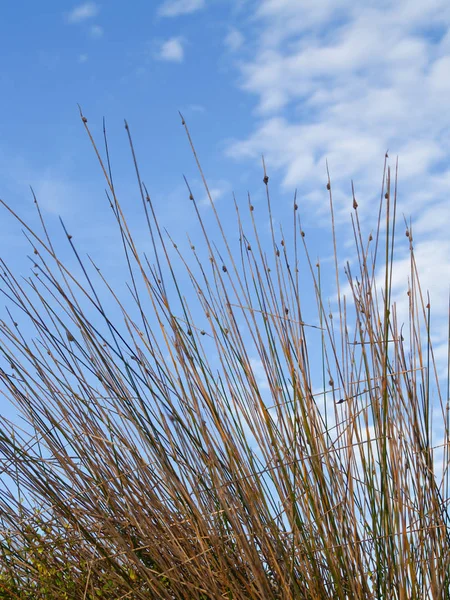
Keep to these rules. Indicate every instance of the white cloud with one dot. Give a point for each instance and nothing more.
(96, 31)
(82, 12)
(217, 190)
(371, 78)
(53, 193)
(174, 8)
(171, 50)
(234, 40)
(342, 81)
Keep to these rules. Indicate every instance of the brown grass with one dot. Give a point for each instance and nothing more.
(161, 465)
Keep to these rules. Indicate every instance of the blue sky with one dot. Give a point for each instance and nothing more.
(300, 82)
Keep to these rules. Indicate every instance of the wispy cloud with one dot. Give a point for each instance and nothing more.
(196, 108)
(217, 191)
(82, 12)
(369, 82)
(55, 194)
(338, 81)
(96, 31)
(171, 50)
(259, 373)
(234, 40)
(175, 8)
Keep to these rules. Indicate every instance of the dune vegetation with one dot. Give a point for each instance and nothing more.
(226, 428)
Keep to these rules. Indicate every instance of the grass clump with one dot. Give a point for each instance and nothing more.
(216, 437)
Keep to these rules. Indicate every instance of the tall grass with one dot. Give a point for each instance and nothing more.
(157, 461)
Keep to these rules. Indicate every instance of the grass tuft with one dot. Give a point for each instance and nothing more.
(224, 431)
